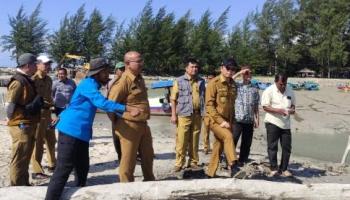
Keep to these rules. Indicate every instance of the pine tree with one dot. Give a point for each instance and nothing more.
(97, 35)
(27, 34)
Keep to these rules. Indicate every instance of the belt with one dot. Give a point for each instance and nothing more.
(196, 111)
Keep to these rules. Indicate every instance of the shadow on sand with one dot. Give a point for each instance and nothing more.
(165, 156)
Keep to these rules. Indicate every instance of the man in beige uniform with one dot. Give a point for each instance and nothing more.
(220, 99)
(134, 132)
(22, 119)
(43, 133)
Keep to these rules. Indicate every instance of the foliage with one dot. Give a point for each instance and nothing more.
(27, 34)
(285, 35)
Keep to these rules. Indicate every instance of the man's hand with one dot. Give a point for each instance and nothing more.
(225, 124)
(173, 119)
(282, 111)
(4, 122)
(243, 71)
(256, 123)
(291, 111)
(134, 111)
(54, 121)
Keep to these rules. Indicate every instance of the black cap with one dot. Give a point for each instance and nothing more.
(97, 65)
(230, 63)
(26, 58)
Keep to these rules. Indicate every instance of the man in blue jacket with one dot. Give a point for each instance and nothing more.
(75, 127)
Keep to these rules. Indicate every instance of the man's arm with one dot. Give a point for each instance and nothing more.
(15, 91)
(266, 104)
(173, 102)
(292, 107)
(73, 85)
(210, 103)
(256, 109)
(117, 93)
(53, 90)
(240, 73)
(98, 100)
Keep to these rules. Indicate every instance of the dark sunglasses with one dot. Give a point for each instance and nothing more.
(231, 68)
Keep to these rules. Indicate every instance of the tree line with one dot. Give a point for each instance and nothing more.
(285, 35)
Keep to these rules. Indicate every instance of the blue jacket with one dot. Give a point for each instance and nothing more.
(76, 120)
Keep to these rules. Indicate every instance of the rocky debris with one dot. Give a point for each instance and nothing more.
(190, 189)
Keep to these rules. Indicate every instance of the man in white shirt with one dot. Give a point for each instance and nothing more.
(278, 101)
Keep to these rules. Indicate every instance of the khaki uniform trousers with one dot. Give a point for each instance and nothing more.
(22, 148)
(135, 136)
(223, 142)
(188, 131)
(206, 134)
(47, 135)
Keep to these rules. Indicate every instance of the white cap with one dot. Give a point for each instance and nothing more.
(43, 59)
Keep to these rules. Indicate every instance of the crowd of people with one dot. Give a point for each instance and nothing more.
(222, 105)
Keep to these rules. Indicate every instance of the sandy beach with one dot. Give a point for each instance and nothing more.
(319, 139)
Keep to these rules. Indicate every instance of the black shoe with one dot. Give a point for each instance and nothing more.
(234, 170)
(177, 169)
(51, 169)
(208, 177)
(40, 176)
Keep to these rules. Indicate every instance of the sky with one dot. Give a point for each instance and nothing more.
(122, 10)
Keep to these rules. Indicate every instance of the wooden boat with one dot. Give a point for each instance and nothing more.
(345, 88)
(309, 85)
(160, 105)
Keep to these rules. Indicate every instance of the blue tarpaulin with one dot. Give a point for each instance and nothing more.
(161, 84)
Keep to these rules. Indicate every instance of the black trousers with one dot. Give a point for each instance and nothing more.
(58, 110)
(246, 130)
(72, 153)
(275, 134)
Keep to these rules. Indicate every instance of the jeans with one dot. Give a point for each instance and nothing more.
(246, 130)
(72, 153)
(274, 133)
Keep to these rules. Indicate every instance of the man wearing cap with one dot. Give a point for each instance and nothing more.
(21, 119)
(187, 109)
(75, 127)
(220, 100)
(62, 90)
(119, 70)
(134, 132)
(43, 133)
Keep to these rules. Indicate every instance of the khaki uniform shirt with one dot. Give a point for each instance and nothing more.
(220, 99)
(195, 93)
(131, 90)
(20, 95)
(43, 86)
